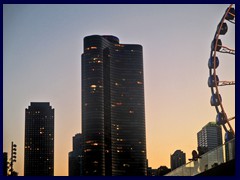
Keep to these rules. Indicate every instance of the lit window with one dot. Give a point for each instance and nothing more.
(92, 47)
(95, 144)
(126, 165)
(132, 50)
(93, 86)
(118, 103)
(119, 45)
(131, 112)
(116, 84)
(139, 82)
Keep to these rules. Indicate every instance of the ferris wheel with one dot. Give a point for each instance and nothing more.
(217, 47)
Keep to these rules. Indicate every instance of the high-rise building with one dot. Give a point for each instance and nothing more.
(113, 115)
(178, 159)
(75, 156)
(210, 136)
(39, 140)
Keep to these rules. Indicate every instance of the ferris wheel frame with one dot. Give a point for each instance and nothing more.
(213, 80)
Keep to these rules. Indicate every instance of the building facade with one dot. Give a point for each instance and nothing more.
(113, 112)
(210, 136)
(178, 159)
(39, 140)
(75, 156)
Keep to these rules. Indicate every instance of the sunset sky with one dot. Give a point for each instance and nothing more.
(42, 47)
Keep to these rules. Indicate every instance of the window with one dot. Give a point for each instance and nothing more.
(93, 86)
(131, 112)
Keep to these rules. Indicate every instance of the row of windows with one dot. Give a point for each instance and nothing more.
(90, 48)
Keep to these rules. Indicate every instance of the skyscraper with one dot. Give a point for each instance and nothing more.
(178, 159)
(113, 112)
(39, 140)
(75, 156)
(210, 136)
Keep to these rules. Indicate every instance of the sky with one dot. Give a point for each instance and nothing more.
(42, 47)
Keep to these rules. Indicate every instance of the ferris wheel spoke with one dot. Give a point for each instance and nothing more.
(232, 118)
(233, 22)
(226, 83)
(224, 49)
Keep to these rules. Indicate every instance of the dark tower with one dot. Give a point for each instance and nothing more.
(39, 140)
(178, 159)
(113, 112)
(75, 156)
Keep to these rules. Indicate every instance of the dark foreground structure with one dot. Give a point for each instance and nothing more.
(113, 115)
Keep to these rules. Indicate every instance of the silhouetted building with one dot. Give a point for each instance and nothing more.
(151, 172)
(75, 156)
(5, 164)
(113, 115)
(39, 140)
(210, 136)
(178, 159)
(162, 170)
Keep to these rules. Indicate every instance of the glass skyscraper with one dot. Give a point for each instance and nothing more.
(39, 140)
(210, 136)
(113, 113)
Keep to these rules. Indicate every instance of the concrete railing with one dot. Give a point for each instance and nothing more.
(209, 160)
